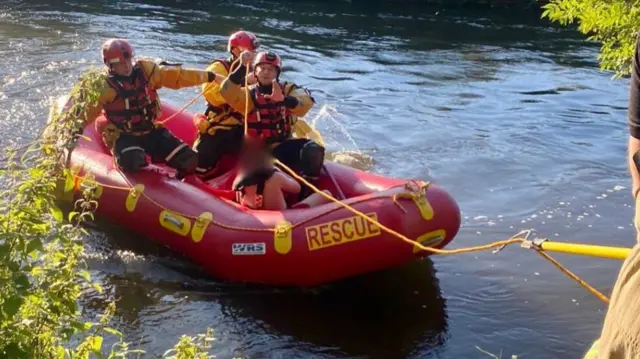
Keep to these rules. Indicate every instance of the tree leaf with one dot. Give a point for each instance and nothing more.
(34, 245)
(95, 344)
(22, 281)
(85, 274)
(113, 332)
(73, 215)
(60, 352)
(11, 305)
(69, 182)
(4, 250)
(97, 287)
(57, 213)
(14, 351)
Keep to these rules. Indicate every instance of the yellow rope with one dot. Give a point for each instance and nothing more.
(573, 276)
(193, 100)
(246, 101)
(398, 235)
(502, 244)
(219, 224)
(89, 179)
(514, 239)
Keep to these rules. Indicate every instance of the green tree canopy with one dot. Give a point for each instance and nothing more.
(614, 23)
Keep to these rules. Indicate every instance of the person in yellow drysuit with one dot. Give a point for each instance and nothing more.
(131, 104)
(221, 127)
(272, 113)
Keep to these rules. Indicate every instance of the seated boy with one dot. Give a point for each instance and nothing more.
(260, 185)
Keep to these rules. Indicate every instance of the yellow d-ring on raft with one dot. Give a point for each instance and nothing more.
(430, 239)
(420, 200)
(425, 207)
(175, 222)
(133, 197)
(282, 237)
(200, 226)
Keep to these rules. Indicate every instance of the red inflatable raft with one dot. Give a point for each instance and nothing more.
(302, 247)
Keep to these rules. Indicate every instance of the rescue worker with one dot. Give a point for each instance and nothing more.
(221, 127)
(273, 110)
(131, 104)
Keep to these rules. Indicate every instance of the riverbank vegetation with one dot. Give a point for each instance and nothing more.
(42, 273)
(613, 23)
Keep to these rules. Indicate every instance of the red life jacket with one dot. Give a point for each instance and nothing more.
(269, 121)
(136, 104)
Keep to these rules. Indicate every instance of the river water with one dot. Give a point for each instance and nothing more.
(507, 113)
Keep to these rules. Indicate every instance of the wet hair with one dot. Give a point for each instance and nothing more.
(253, 157)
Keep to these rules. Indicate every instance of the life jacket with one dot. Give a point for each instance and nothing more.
(270, 121)
(212, 111)
(136, 104)
(258, 177)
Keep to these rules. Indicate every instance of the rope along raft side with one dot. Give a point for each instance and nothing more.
(539, 245)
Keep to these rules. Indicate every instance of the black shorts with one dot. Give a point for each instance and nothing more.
(211, 148)
(158, 144)
(288, 152)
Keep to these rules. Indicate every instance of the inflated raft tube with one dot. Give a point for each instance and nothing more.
(301, 247)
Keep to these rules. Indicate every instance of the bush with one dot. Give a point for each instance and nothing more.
(614, 23)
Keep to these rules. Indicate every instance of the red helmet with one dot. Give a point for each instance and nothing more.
(267, 57)
(243, 39)
(116, 51)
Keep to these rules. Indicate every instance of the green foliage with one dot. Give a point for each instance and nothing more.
(613, 23)
(191, 347)
(42, 275)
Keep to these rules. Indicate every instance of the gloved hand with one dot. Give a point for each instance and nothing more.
(251, 79)
(201, 122)
(213, 77)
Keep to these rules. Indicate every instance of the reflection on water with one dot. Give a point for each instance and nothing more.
(381, 315)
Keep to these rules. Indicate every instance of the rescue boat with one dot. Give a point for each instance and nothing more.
(295, 247)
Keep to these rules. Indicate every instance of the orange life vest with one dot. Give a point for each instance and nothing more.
(269, 121)
(136, 104)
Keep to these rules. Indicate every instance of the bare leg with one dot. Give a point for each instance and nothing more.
(313, 200)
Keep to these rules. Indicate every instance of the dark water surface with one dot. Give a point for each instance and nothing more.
(509, 114)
